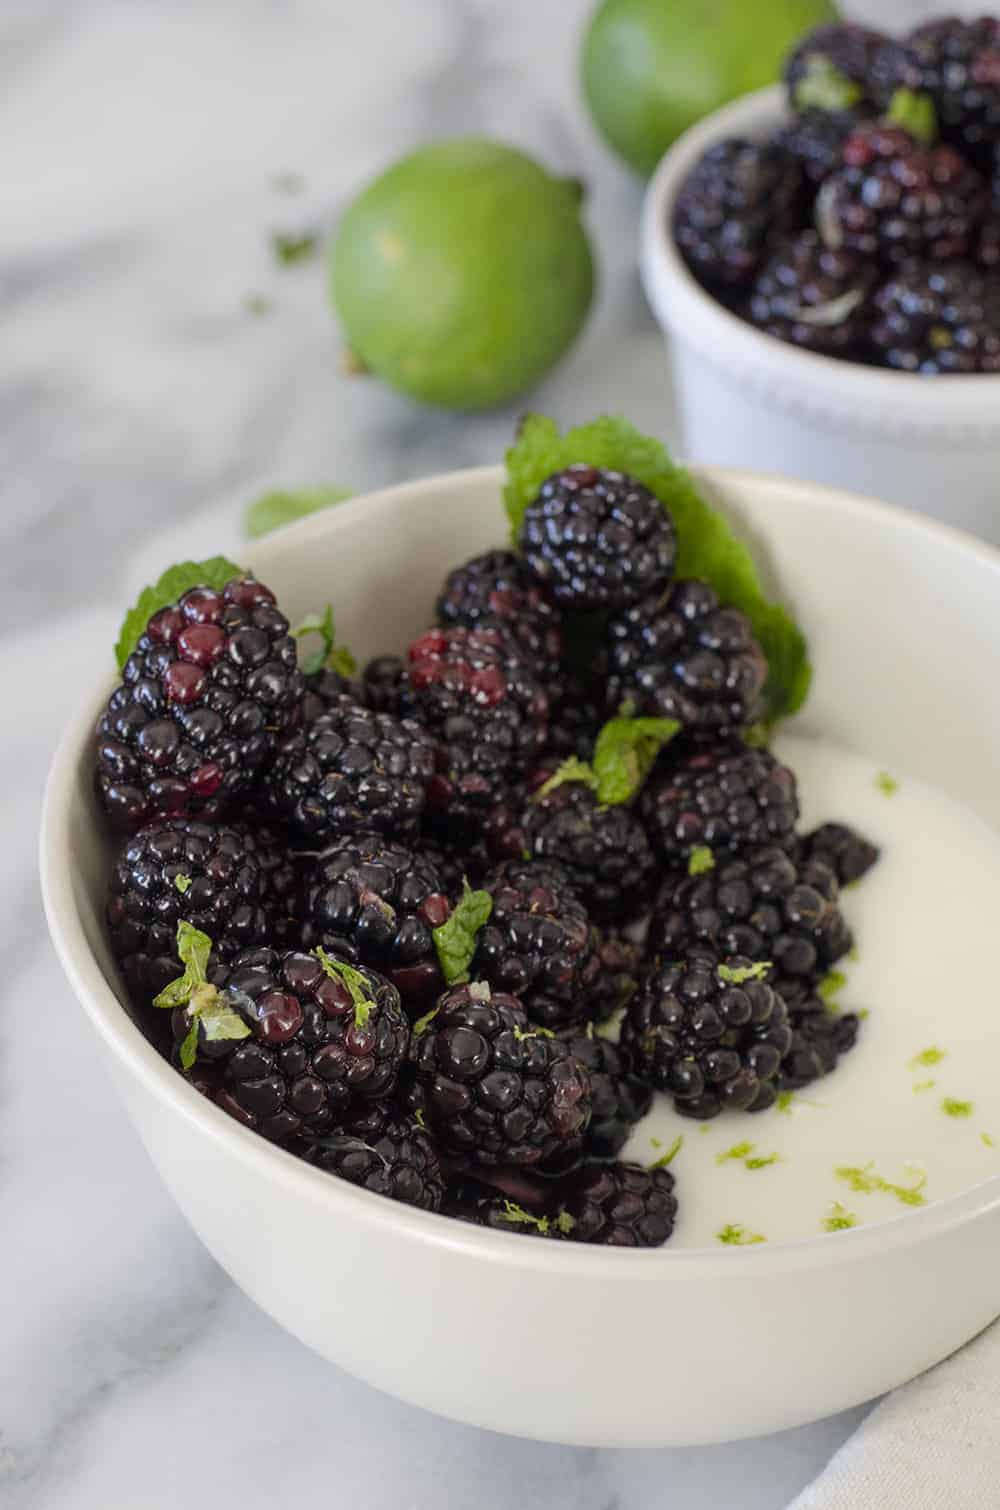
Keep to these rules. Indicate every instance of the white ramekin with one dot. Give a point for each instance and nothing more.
(554, 1340)
(742, 397)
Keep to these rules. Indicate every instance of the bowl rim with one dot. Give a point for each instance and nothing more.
(662, 265)
(157, 1078)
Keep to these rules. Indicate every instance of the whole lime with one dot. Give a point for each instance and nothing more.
(462, 273)
(653, 67)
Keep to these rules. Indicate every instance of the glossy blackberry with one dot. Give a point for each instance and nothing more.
(849, 854)
(380, 682)
(814, 297)
(618, 1206)
(763, 904)
(210, 686)
(317, 1041)
(496, 591)
(483, 704)
(957, 63)
(893, 200)
(493, 1090)
(619, 1098)
(683, 655)
(324, 689)
(577, 713)
(604, 849)
(597, 539)
(939, 319)
(468, 1200)
(721, 797)
(237, 888)
(709, 1033)
(819, 1038)
(737, 199)
(401, 1163)
(454, 866)
(843, 46)
(539, 943)
(816, 138)
(381, 902)
(352, 769)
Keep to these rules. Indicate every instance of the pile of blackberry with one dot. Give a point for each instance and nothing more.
(867, 226)
(444, 930)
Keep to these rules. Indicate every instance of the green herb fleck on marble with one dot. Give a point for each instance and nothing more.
(738, 1237)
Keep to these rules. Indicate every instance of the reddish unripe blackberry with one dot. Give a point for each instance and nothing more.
(597, 539)
(604, 849)
(235, 886)
(683, 655)
(493, 1089)
(814, 297)
(618, 1206)
(739, 196)
(619, 1098)
(956, 62)
(496, 591)
(849, 854)
(380, 902)
(720, 797)
(401, 1162)
(352, 769)
(710, 1032)
(939, 319)
(210, 686)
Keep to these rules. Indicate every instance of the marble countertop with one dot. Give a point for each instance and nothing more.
(143, 403)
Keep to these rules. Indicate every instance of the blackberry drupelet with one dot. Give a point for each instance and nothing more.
(324, 689)
(739, 197)
(682, 655)
(401, 1163)
(496, 591)
(814, 297)
(957, 63)
(845, 47)
(576, 716)
(380, 682)
(618, 1206)
(454, 866)
(235, 886)
(493, 1089)
(597, 539)
(380, 902)
(352, 769)
(619, 1098)
(819, 1038)
(604, 849)
(722, 797)
(710, 1032)
(763, 904)
(939, 319)
(849, 854)
(893, 200)
(210, 686)
(816, 138)
(539, 943)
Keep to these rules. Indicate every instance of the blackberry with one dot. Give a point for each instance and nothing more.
(379, 902)
(210, 686)
(619, 1098)
(539, 944)
(352, 769)
(576, 716)
(324, 689)
(494, 1091)
(814, 297)
(893, 200)
(682, 655)
(709, 1032)
(597, 539)
(723, 797)
(380, 683)
(320, 1034)
(843, 46)
(468, 1200)
(819, 1038)
(496, 591)
(848, 854)
(604, 849)
(986, 252)
(618, 1206)
(816, 138)
(454, 866)
(957, 63)
(939, 319)
(401, 1163)
(764, 905)
(488, 713)
(739, 196)
(234, 886)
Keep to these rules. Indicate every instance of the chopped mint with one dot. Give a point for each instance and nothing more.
(357, 985)
(743, 1153)
(174, 582)
(738, 975)
(886, 784)
(707, 545)
(258, 304)
(290, 248)
(863, 1014)
(421, 1025)
(927, 1058)
(738, 1151)
(666, 1159)
(953, 1108)
(624, 753)
(839, 1219)
(183, 884)
(830, 987)
(208, 1009)
(564, 1223)
(700, 860)
(988, 1139)
(610, 1028)
(455, 940)
(272, 510)
(865, 1180)
(533, 1032)
(737, 1236)
(518, 1217)
(783, 1101)
(915, 112)
(571, 769)
(418, 1117)
(333, 657)
(193, 950)
(762, 1161)
(654, 1142)
(924, 1085)
(824, 87)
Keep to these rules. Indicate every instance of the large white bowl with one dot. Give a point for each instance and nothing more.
(550, 1340)
(745, 398)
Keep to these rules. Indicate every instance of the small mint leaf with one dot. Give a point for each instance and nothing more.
(421, 1025)
(624, 754)
(455, 940)
(666, 1159)
(700, 860)
(189, 1048)
(738, 975)
(173, 584)
(183, 884)
(193, 950)
(915, 112)
(824, 87)
(357, 984)
(571, 769)
(336, 657)
(285, 505)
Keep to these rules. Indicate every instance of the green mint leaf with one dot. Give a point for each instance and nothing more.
(189, 1048)
(336, 657)
(533, 1032)
(707, 545)
(624, 754)
(193, 950)
(840, 1219)
(283, 506)
(915, 112)
(421, 1025)
(183, 884)
(571, 769)
(357, 984)
(953, 1108)
(738, 975)
(455, 940)
(174, 582)
(666, 1159)
(824, 87)
(737, 1236)
(418, 1117)
(291, 247)
(700, 860)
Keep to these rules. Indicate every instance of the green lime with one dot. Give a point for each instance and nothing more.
(463, 273)
(651, 68)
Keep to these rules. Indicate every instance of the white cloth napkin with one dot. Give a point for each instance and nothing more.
(932, 1445)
